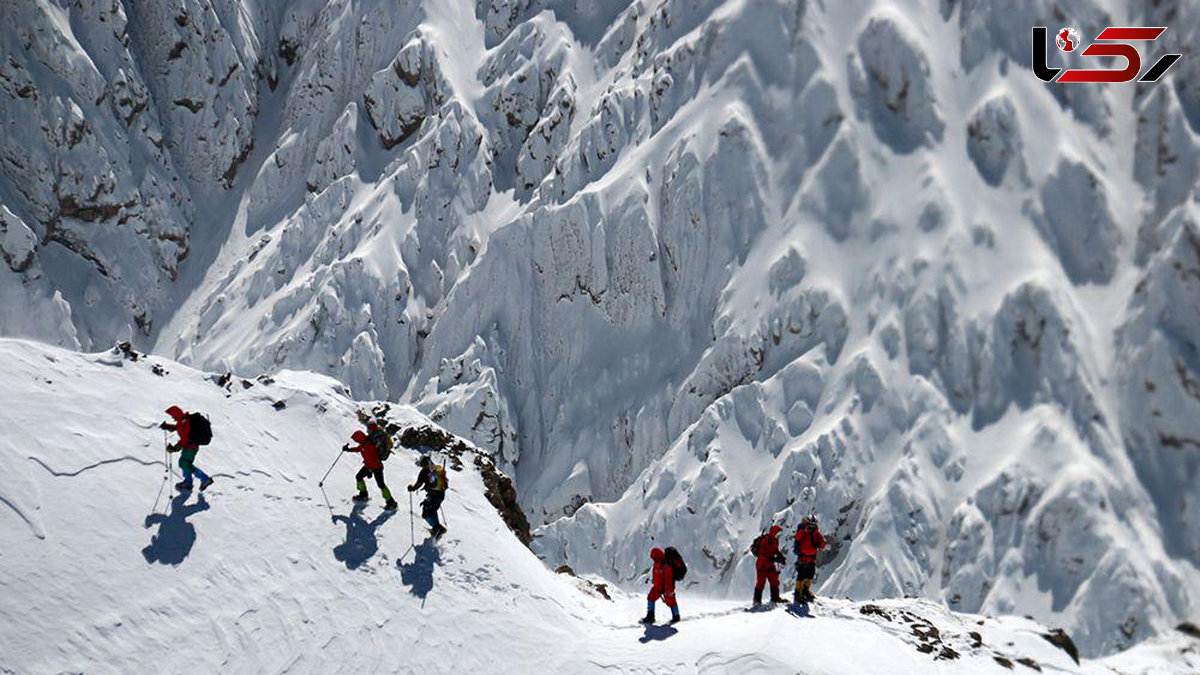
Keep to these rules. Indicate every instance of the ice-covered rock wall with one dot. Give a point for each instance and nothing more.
(681, 258)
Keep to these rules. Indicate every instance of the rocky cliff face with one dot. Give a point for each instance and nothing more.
(680, 258)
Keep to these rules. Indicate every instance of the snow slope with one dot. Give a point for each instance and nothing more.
(676, 258)
(104, 570)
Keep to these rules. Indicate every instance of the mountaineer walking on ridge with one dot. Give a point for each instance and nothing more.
(766, 552)
(433, 478)
(808, 542)
(194, 431)
(668, 567)
(372, 466)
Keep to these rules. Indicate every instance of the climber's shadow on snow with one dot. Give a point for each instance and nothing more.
(418, 574)
(173, 541)
(656, 633)
(362, 542)
(800, 611)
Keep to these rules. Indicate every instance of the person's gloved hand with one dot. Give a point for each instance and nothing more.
(173, 447)
(167, 426)
(412, 488)
(346, 448)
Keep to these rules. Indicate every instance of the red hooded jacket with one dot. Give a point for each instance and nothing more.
(768, 548)
(370, 454)
(663, 579)
(183, 426)
(808, 542)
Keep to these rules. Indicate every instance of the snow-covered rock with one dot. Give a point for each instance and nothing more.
(17, 241)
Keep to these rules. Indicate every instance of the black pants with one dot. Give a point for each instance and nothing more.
(365, 473)
(806, 570)
(431, 504)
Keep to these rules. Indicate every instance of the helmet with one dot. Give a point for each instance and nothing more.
(359, 436)
(656, 553)
(423, 461)
(176, 412)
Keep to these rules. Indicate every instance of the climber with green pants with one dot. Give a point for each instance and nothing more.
(372, 466)
(194, 431)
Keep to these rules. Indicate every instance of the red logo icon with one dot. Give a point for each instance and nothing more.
(1067, 39)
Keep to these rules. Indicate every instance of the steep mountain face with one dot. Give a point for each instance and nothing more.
(706, 263)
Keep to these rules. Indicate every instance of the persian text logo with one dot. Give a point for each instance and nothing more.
(1067, 40)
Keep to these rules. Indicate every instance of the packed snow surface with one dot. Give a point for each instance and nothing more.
(683, 267)
(104, 569)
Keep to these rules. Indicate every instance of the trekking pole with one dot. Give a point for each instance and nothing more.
(321, 483)
(167, 462)
(327, 504)
(412, 522)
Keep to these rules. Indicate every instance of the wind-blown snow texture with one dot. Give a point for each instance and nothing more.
(672, 257)
(104, 569)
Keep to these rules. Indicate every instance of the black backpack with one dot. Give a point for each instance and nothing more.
(672, 558)
(756, 543)
(382, 442)
(199, 428)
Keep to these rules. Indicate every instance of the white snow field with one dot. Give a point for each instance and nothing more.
(103, 570)
(674, 264)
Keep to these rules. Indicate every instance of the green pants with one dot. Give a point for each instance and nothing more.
(187, 464)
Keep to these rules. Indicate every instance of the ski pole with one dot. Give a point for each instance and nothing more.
(321, 482)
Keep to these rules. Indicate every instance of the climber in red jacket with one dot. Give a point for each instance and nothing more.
(372, 466)
(767, 554)
(808, 542)
(194, 431)
(662, 586)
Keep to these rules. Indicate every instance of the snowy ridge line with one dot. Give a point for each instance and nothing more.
(252, 576)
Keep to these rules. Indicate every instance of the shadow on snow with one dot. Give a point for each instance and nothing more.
(361, 542)
(175, 537)
(800, 610)
(418, 575)
(654, 633)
